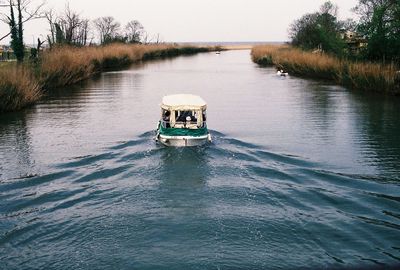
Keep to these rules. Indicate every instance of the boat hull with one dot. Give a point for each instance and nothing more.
(183, 141)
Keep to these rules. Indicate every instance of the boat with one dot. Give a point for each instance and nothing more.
(282, 73)
(183, 121)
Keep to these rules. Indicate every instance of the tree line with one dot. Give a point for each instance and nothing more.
(71, 28)
(379, 25)
(66, 28)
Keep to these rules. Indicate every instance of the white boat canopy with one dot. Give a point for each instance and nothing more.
(183, 102)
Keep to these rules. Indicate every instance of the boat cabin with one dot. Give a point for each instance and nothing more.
(183, 111)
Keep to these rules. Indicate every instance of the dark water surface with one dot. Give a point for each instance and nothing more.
(301, 174)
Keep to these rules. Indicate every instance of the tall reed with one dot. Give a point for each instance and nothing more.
(18, 88)
(63, 66)
(67, 65)
(357, 75)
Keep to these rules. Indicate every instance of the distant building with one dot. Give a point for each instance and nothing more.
(6, 53)
(355, 42)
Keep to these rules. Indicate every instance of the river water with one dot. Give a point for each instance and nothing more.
(300, 174)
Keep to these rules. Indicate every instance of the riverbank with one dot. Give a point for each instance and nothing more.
(237, 47)
(356, 75)
(24, 84)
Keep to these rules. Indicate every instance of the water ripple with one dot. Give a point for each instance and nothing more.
(229, 190)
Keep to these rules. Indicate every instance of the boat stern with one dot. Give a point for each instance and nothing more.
(183, 141)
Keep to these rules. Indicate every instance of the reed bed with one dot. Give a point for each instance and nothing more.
(357, 75)
(18, 88)
(69, 65)
(21, 85)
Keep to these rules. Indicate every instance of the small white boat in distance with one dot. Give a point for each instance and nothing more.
(282, 73)
(183, 121)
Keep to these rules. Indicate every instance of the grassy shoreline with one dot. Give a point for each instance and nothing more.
(24, 84)
(356, 75)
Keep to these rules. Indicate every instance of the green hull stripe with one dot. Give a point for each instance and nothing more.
(182, 131)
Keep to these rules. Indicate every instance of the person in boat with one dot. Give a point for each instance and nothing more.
(166, 118)
(185, 116)
(188, 120)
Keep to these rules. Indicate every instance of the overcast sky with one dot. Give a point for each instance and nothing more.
(197, 20)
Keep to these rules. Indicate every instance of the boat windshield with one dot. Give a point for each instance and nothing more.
(183, 119)
(185, 116)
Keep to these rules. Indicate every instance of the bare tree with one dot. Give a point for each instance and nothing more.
(329, 8)
(51, 18)
(70, 22)
(145, 38)
(107, 28)
(155, 39)
(75, 28)
(67, 28)
(26, 11)
(158, 39)
(134, 31)
(82, 32)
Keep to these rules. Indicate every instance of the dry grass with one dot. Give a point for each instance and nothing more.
(67, 65)
(18, 88)
(374, 77)
(237, 47)
(370, 76)
(6, 64)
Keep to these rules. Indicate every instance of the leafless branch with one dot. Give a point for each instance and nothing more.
(29, 15)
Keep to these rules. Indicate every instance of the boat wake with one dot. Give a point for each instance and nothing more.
(137, 195)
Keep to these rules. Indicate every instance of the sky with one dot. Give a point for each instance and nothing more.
(196, 20)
